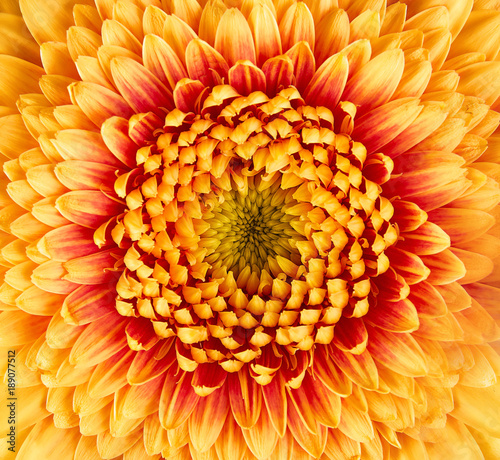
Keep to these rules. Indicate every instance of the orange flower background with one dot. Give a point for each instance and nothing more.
(251, 229)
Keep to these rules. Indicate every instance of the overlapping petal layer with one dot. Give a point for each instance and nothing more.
(251, 229)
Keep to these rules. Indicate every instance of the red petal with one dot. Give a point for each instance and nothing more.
(427, 300)
(178, 399)
(206, 64)
(381, 125)
(162, 61)
(398, 316)
(207, 419)
(399, 352)
(245, 397)
(67, 242)
(426, 240)
(147, 365)
(246, 78)
(88, 304)
(328, 82)
(303, 64)
(90, 208)
(115, 135)
(207, 378)
(99, 341)
(97, 102)
(279, 74)
(350, 335)
(139, 87)
(360, 368)
(187, 95)
(408, 265)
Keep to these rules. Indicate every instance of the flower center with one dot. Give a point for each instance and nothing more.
(249, 231)
(251, 226)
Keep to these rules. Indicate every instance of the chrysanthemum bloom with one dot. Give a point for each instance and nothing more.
(251, 229)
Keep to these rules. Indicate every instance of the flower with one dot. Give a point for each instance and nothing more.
(251, 229)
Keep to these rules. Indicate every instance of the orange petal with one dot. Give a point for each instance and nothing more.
(477, 407)
(99, 341)
(445, 267)
(56, 441)
(245, 397)
(204, 63)
(261, 439)
(111, 375)
(276, 403)
(360, 368)
(87, 304)
(82, 42)
(177, 34)
(78, 144)
(327, 84)
(19, 328)
(394, 316)
(142, 400)
(312, 443)
(383, 124)
(207, 419)
(332, 34)
(265, 32)
(178, 399)
(246, 78)
(354, 423)
(84, 175)
(330, 374)
(114, 133)
(399, 352)
(146, 365)
(90, 208)
(234, 38)
(462, 224)
(37, 302)
(339, 446)
(369, 92)
(95, 268)
(303, 64)
(162, 61)
(49, 277)
(97, 102)
(230, 443)
(139, 87)
(210, 18)
(155, 436)
(296, 25)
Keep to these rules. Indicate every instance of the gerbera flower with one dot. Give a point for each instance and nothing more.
(251, 229)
